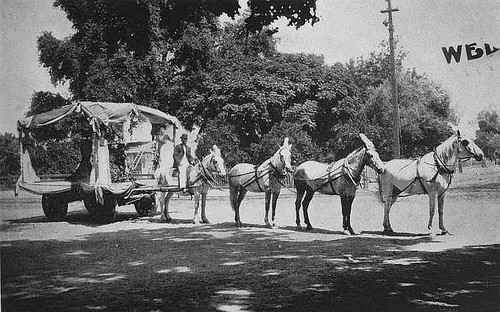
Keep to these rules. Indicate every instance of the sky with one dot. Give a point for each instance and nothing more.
(347, 29)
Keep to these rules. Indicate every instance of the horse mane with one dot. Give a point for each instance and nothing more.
(445, 150)
(354, 153)
(340, 162)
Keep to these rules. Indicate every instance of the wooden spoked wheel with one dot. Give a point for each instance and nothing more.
(104, 212)
(145, 205)
(54, 207)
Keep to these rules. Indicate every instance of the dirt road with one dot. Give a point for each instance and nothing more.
(140, 264)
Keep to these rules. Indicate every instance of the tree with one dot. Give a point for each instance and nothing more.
(225, 137)
(9, 156)
(150, 51)
(488, 135)
(129, 51)
(303, 147)
(424, 106)
(175, 56)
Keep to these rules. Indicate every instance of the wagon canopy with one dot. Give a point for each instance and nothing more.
(99, 114)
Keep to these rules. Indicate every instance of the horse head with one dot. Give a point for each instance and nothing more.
(467, 148)
(282, 159)
(371, 156)
(214, 161)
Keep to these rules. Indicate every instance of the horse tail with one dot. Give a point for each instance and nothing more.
(381, 196)
(299, 180)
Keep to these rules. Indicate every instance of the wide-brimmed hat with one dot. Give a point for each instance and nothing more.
(184, 136)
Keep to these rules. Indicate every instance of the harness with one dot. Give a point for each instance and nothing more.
(345, 170)
(441, 168)
(204, 175)
(274, 172)
(418, 178)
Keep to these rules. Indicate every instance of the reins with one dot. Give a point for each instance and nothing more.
(204, 175)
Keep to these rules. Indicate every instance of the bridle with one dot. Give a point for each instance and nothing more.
(355, 174)
(444, 167)
(279, 173)
(206, 173)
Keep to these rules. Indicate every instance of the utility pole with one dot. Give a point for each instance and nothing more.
(396, 127)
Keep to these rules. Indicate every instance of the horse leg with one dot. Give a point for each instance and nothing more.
(196, 217)
(267, 204)
(165, 216)
(236, 195)
(305, 206)
(432, 208)
(274, 202)
(390, 200)
(440, 214)
(158, 195)
(160, 203)
(233, 200)
(203, 207)
(242, 192)
(346, 201)
(298, 201)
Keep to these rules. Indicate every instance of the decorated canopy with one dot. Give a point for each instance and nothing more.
(99, 113)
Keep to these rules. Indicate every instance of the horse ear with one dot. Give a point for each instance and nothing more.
(458, 132)
(366, 141)
(215, 150)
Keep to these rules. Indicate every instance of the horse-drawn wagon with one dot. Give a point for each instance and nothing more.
(92, 181)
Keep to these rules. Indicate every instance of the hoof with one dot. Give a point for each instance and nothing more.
(309, 228)
(166, 220)
(349, 232)
(205, 221)
(388, 232)
(444, 232)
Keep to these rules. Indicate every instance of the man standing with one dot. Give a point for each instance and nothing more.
(182, 159)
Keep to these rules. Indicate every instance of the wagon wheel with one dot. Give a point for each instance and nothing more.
(54, 207)
(145, 205)
(90, 205)
(102, 212)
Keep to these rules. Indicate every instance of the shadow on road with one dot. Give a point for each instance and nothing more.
(396, 234)
(253, 268)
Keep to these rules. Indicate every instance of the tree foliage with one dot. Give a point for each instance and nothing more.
(424, 106)
(9, 156)
(488, 135)
(232, 82)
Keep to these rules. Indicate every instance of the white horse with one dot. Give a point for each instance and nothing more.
(201, 178)
(431, 174)
(266, 178)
